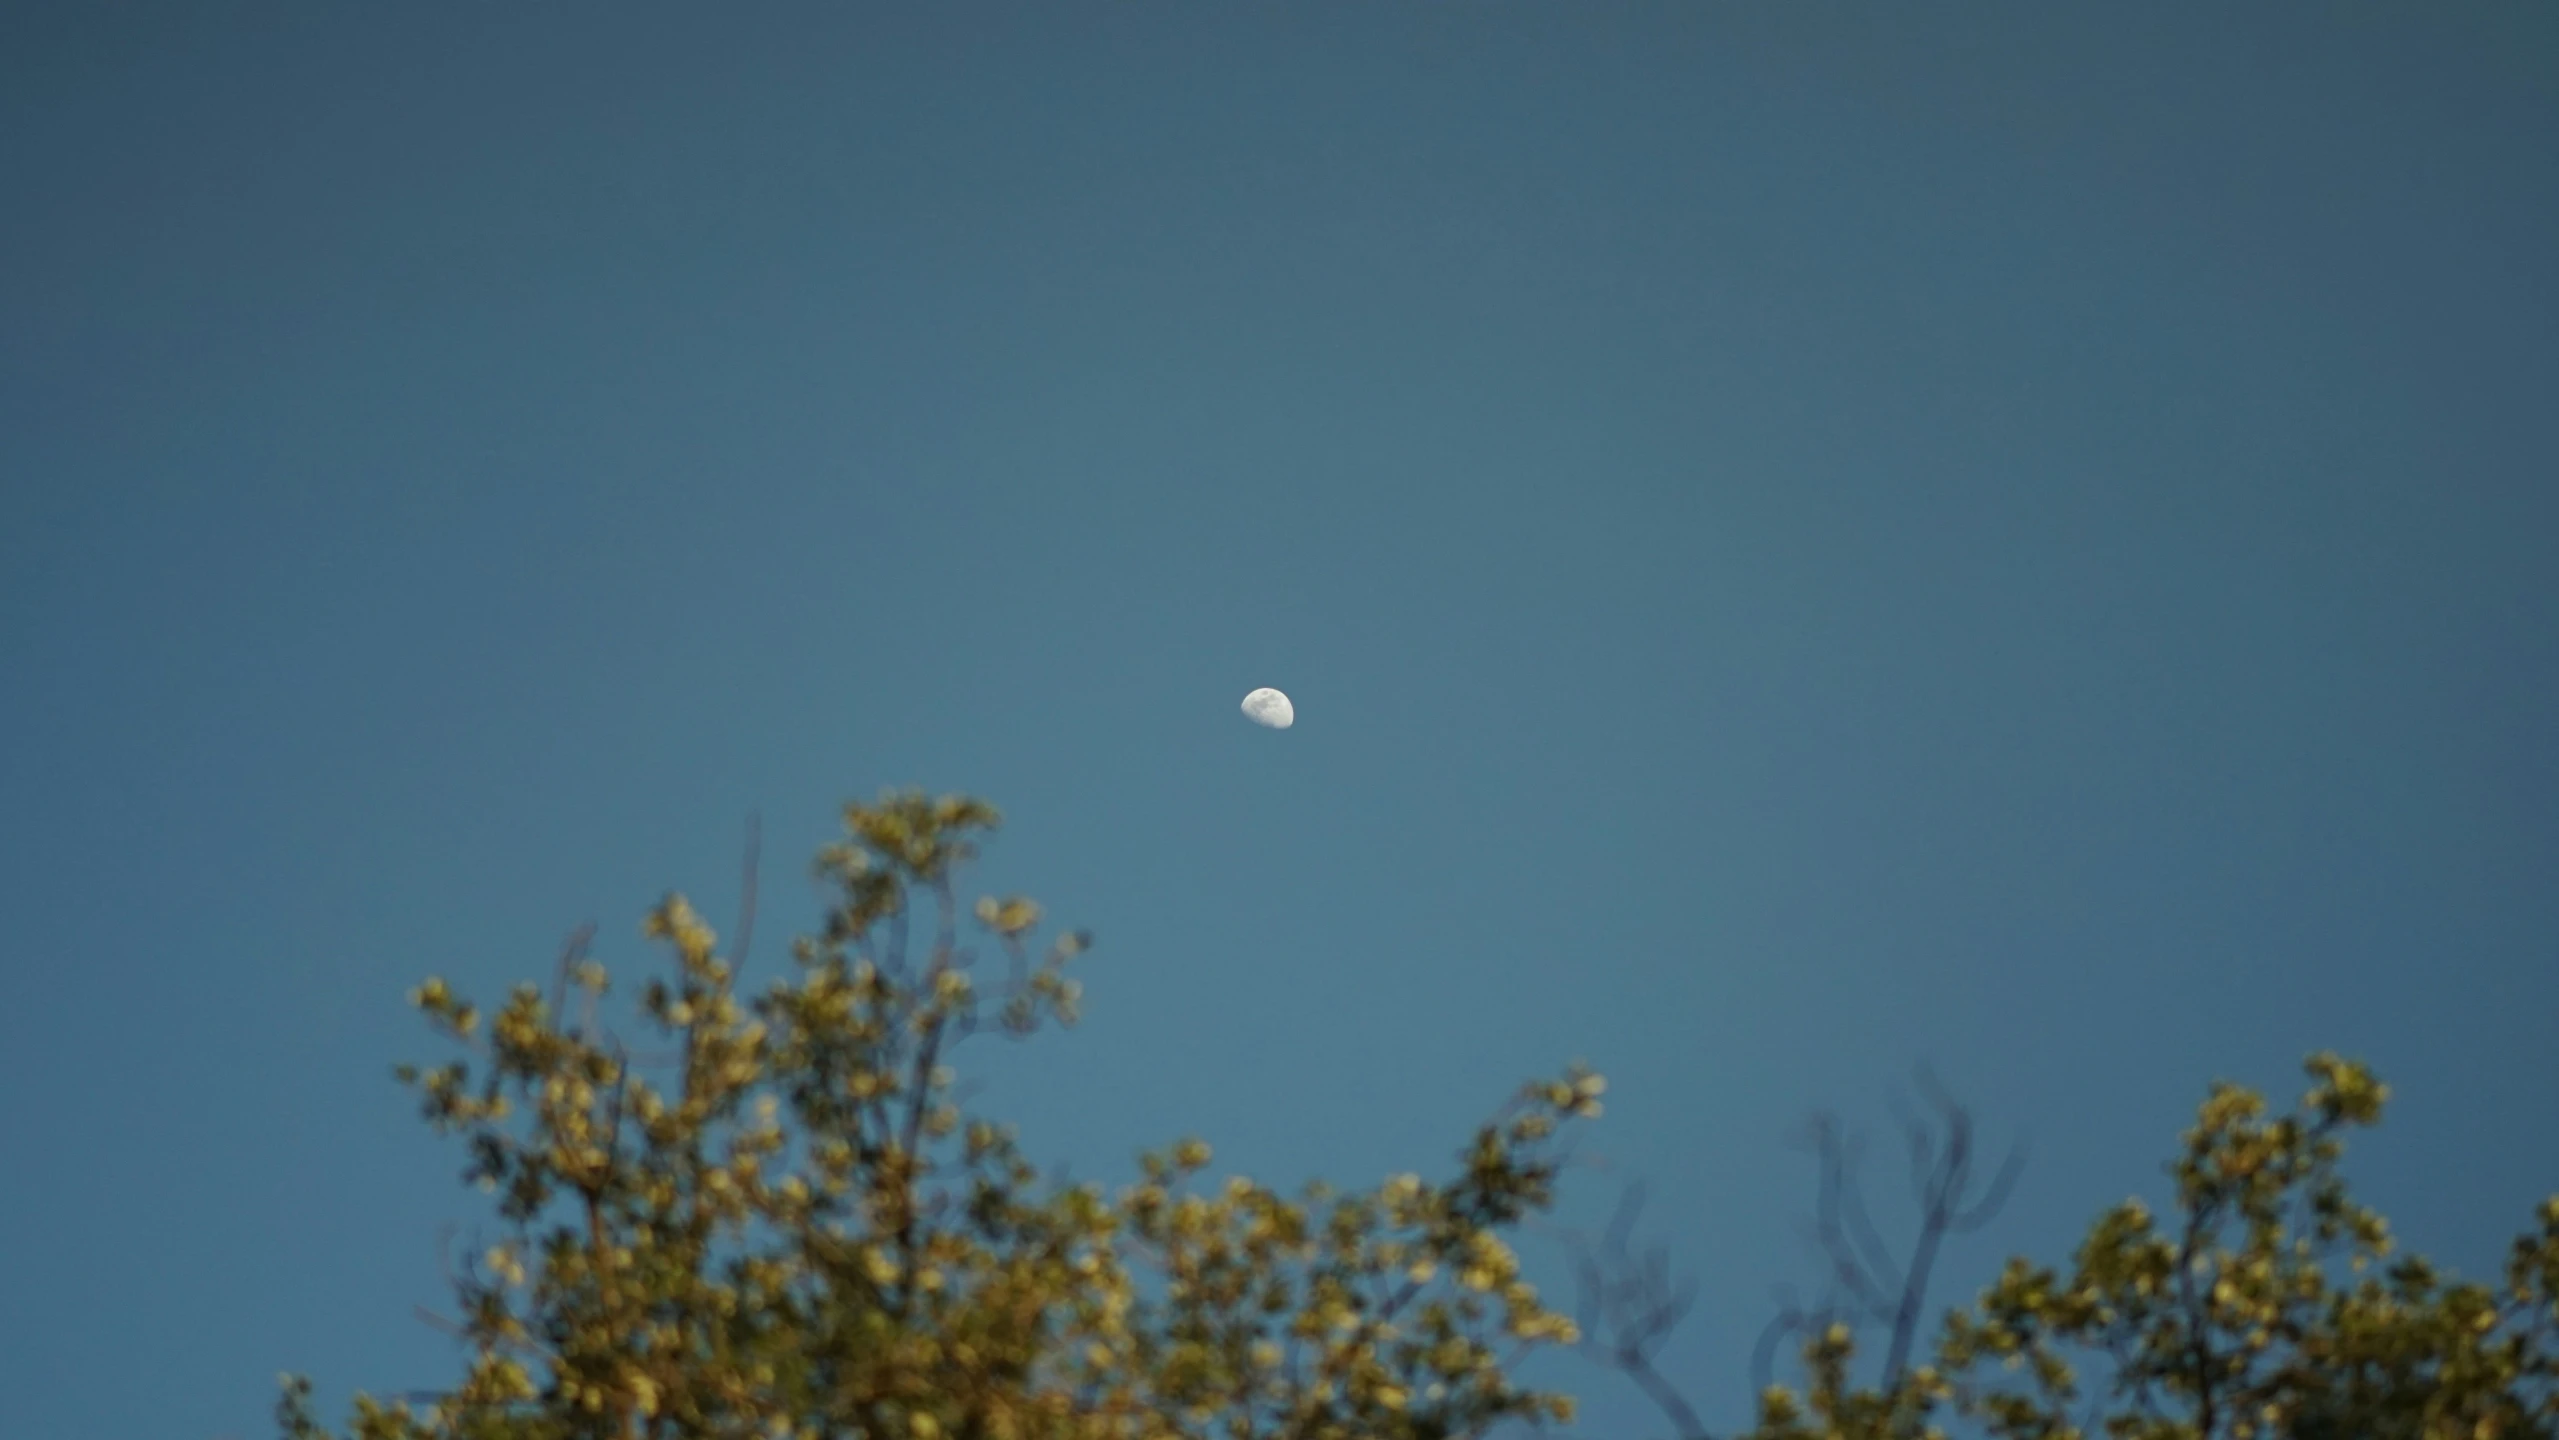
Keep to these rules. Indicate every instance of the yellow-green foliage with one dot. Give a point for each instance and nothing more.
(2266, 1306)
(789, 1226)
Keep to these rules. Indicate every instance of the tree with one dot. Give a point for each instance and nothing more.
(2267, 1305)
(787, 1225)
(1631, 1304)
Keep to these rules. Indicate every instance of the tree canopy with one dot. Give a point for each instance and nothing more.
(782, 1221)
(790, 1226)
(2266, 1304)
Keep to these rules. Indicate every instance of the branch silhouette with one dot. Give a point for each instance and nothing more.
(1867, 1285)
(1631, 1301)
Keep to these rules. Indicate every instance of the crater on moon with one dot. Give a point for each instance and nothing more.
(1267, 706)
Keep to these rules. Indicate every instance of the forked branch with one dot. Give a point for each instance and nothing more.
(1866, 1284)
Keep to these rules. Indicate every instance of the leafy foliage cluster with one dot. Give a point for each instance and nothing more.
(788, 1226)
(799, 1232)
(2267, 1306)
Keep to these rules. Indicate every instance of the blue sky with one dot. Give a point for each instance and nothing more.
(1803, 540)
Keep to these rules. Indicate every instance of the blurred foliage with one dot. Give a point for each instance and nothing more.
(2268, 1305)
(789, 1226)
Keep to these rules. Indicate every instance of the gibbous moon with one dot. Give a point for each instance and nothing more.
(1267, 706)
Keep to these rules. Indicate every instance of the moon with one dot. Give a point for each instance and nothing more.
(1267, 706)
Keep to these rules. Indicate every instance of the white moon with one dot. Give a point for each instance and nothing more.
(1267, 706)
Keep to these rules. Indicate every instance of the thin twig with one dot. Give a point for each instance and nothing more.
(571, 952)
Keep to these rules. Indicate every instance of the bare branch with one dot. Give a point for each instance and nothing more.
(1995, 1198)
(1848, 1271)
(1870, 1242)
(1915, 1136)
(571, 952)
(1788, 1321)
(453, 1328)
(1630, 1304)
(1867, 1284)
(1791, 1320)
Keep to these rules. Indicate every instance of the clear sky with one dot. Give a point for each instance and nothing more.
(1803, 539)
